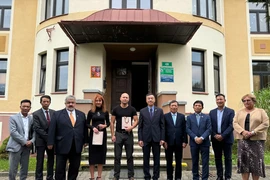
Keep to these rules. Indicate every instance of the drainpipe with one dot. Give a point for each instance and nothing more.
(74, 66)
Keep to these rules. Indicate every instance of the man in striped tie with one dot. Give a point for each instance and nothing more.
(42, 119)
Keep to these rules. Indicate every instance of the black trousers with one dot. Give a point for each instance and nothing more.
(226, 148)
(40, 160)
(74, 164)
(146, 158)
(178, 151)
(123, 139)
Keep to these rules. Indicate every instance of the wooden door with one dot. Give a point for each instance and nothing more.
(121, 81)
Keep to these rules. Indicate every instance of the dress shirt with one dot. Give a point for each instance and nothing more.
(174, 116)
(44, 112)
(219, 119)
(73, 114)
(150, 110)
(25, 125)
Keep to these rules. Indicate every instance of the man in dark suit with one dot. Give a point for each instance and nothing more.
(42, 119)
(151, 134)
(198, 127)
(222, 136)
(175, 139)
(68, 133)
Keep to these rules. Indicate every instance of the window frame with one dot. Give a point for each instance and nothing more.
(58, 65)
(216, 68)
(3, 8)
(198, 9)
(258, 12)
(260, 73)
(124, 4)
(53, 4)
(202, 65)
(43, 68)
(4, 71)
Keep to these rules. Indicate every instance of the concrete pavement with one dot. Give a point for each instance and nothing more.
(108, 174)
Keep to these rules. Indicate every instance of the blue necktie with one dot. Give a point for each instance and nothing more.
(198, 119)
(174, 118)
(151, 113)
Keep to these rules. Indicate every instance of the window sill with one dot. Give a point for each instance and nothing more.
(61, 92)
(41, 94)
(2, 96)
(200, 93)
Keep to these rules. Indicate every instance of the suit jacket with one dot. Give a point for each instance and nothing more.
(259, 123)
(226, 125)
(151, 129)
(62, 133)
(41, 126)
(175, 133)
(16, 128)
(203, 130)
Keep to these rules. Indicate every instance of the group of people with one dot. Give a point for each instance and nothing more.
(65, 133)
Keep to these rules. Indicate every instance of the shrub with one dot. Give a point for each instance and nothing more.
(3, 152)
(263, 101)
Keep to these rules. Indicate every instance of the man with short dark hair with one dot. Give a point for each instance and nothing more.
(222, 136)
(198, 128)
(151, 134)
(126, 119)
(42, 119)
(22, 137)
(175, 140)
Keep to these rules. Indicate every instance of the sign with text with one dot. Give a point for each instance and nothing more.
(166, 74)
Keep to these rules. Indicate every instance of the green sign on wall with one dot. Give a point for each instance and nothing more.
(167, 64)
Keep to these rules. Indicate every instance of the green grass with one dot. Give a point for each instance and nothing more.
(4, 165)
(234, 159)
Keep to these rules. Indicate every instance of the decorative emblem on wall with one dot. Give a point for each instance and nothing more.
(49, 32)
(121, 71)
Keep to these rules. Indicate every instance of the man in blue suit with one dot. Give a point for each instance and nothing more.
(222, 136)
(199, 128)
(175, 139)
(68, 133)
(151, 134)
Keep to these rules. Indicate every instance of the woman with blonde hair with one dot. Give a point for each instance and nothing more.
(97, 121)
(250, 125)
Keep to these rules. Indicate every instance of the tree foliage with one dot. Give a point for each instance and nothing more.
(263, 101)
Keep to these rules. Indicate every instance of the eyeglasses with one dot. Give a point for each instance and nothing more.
(248, 100)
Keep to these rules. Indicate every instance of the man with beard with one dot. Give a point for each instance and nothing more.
(124, 115)
(68, 133)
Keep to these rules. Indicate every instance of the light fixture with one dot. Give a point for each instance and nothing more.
(132, 49)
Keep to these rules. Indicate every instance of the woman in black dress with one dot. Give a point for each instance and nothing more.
(97, 121)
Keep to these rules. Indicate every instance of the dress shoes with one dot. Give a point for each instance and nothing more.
(219, 178)
(227, 178)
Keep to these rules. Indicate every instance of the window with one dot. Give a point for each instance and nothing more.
(261, 74)
(42, 74)
(56, 8)
(205, 8)
(3, 72)
(131, 4)
(216, 74)
(198, 71)
(5, 14)
(257, 18)
(61, 71)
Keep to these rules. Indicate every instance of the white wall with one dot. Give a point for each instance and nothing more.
(180, 56)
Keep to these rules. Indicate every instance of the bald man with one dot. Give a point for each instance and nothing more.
(126, 119)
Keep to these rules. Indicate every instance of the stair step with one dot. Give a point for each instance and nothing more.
(135, 154)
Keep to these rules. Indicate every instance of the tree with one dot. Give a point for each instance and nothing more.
(263, 101)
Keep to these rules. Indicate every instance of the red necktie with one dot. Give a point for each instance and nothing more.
(48, 117)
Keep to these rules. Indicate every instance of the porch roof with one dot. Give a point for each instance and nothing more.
(130, 26)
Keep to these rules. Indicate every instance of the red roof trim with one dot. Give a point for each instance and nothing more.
(130, 15)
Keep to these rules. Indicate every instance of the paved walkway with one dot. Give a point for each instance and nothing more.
(108, 174)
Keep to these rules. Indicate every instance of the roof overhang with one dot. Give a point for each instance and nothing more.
(130, 26)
